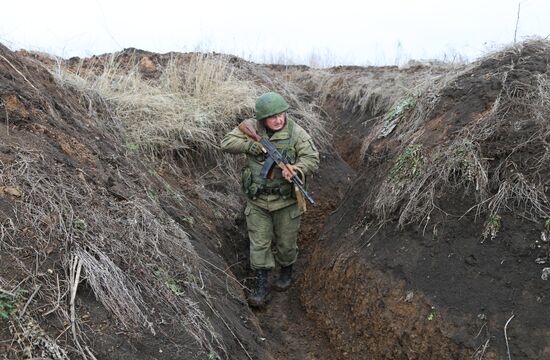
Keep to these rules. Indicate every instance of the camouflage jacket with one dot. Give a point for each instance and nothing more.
(293, 141)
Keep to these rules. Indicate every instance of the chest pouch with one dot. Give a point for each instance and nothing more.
(248, 186)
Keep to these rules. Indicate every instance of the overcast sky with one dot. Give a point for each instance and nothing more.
(335, 32)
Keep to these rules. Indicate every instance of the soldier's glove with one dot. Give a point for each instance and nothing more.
(255, 148)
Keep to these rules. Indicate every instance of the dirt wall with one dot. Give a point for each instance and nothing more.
(415, 265)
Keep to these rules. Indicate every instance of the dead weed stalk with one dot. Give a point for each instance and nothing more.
(504, 183)
(62, 216)
(185, 109)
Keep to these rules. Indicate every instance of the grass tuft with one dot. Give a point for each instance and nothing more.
(507, 182)
(183, 110)
(409, 164)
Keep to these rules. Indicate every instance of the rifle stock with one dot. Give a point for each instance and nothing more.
(249, 131)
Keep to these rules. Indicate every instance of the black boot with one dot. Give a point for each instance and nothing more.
(258, 299)
(285, 278)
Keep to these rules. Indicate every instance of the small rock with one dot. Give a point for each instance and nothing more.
(471, 260)
(10, 190)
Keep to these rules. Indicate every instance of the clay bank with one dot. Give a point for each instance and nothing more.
(122, 234)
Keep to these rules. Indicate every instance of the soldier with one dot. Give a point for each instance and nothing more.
(272, 213)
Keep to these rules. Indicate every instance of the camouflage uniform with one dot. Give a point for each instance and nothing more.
(272, 214)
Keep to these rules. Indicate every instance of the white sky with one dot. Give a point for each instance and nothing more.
(339, 31)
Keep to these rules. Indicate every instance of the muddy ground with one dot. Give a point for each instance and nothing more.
(368, 283)
(441, 290)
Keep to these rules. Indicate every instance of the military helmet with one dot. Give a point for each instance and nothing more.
(270, 104)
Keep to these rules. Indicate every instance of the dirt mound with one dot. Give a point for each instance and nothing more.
(96, 259)
(122, 235)
(440, 247)
(353, 98)
(123, 224)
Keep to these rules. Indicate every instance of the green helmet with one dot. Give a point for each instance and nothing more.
(270, 104)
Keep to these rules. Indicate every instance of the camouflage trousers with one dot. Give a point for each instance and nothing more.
(273, 235)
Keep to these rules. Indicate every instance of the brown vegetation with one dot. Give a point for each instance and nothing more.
(121, 232)
(452, 201)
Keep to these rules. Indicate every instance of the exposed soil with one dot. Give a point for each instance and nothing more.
(70, 187)
(289, 333)
(365, 287)
(439, 291)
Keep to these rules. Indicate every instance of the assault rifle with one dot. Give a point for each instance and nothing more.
(274, 158)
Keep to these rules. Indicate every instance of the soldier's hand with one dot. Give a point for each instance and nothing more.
(255, 148)
(288, 172)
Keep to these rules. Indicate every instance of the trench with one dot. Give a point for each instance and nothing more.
(390, 292)
(385, 293)
(343, 304)
(390, 298)
(287, 330)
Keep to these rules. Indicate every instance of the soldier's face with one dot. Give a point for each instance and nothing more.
(276, 122)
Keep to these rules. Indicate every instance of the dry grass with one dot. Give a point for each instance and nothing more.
(510, 184)
(190, 103)
(150, 273)
(185, 109)
(33, 342)
(67, 213)
(371, 92)
(453, 167)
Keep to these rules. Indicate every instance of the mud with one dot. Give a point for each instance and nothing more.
(289, 332)
(365, 287)
(439, 290)
(67, 151)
